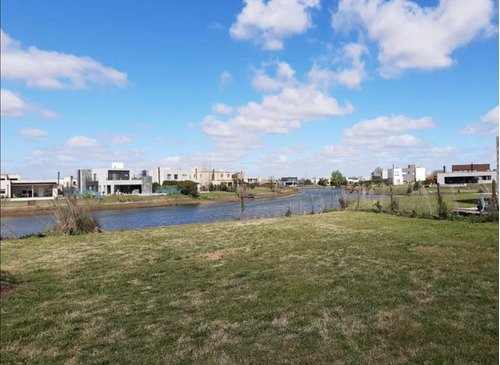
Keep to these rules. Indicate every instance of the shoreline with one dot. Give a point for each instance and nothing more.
(46, 209)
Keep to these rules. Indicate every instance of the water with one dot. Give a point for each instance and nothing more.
(113, 220)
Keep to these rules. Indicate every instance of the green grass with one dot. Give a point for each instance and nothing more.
(419, 203)
(336, 288)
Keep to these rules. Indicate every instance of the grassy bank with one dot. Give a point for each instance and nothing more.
(335, 288)
(417, 204)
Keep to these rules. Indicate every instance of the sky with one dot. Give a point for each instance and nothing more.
(271, 88)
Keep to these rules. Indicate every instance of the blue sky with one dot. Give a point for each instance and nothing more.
(271, 88)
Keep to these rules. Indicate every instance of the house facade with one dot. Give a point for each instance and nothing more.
(289, 181)
(114, 180)
(14, 187)
(466, 174)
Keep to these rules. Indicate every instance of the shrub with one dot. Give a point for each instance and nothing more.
(73, 219)
(188, 188)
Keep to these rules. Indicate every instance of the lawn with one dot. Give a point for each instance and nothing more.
(333, 288)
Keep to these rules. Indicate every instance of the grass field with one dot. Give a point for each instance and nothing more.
(333, 288)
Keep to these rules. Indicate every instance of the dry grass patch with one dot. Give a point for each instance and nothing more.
(217, 255)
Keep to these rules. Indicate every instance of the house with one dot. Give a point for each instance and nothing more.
(114, 180)
(289, 181)
(162, 174)
(12, 186)
(405, 175)
(395, 176)
(221, 177)
(251, 180)
(412, 174)
(466, 174)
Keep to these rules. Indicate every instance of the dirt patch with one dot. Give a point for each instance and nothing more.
(217, 255)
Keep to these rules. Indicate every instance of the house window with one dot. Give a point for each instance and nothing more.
(222, 175)
(176, 176)
(169, 176)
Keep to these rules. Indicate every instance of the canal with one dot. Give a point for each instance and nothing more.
(113, 220)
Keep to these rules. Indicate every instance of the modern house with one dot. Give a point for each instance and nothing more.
(162, 174)
(412, 174)
(114, 180)
(12, 186)
(466, 174)
(395, 176)
(405, 175)
(289, 181)
(251, 180)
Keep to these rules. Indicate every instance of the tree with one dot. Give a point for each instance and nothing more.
(241, 192)
(338, 179)
(307, 182)
(377, 172)
(323, 182)
(188, 188)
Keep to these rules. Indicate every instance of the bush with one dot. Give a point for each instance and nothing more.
(73, 219)
(188, 188)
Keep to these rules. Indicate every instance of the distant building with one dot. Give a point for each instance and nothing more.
(405, 175)
(412, 174)
(395, 176)
(289, 181)
(114, 180)
(251, 180)
(162, 174)
(466, 174)
(12, 186)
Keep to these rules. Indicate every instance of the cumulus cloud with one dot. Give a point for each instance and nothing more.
(491, 116)
(53, 70)
(413, 37)
(269, 23)
(121, 139)
(32, 132)
(275, 114)
(81, 142)
(487, 127)
(285, 76)
(350, 76)
(221, 108)
(384, 132)
(12, 105)
(225, 78)
(383, 125)
(443, 151)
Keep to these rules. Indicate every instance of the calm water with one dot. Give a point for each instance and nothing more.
(113, 220)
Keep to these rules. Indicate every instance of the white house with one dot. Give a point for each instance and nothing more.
(13, 186)
(114, 180)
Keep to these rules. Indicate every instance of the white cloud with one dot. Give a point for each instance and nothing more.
(386, 133)
(487, 127)
(443, 151)
(225, 78)
(276, 114)
(471, 128)
(491, 116)
(13, 106)
(285, 76)
(383, 125)
(121, 139)
(413, 37)
(221, 108)
(269, 23)
(37, 153)
(53, 70)
(81, 141)
(29, 132)
(350, 76)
